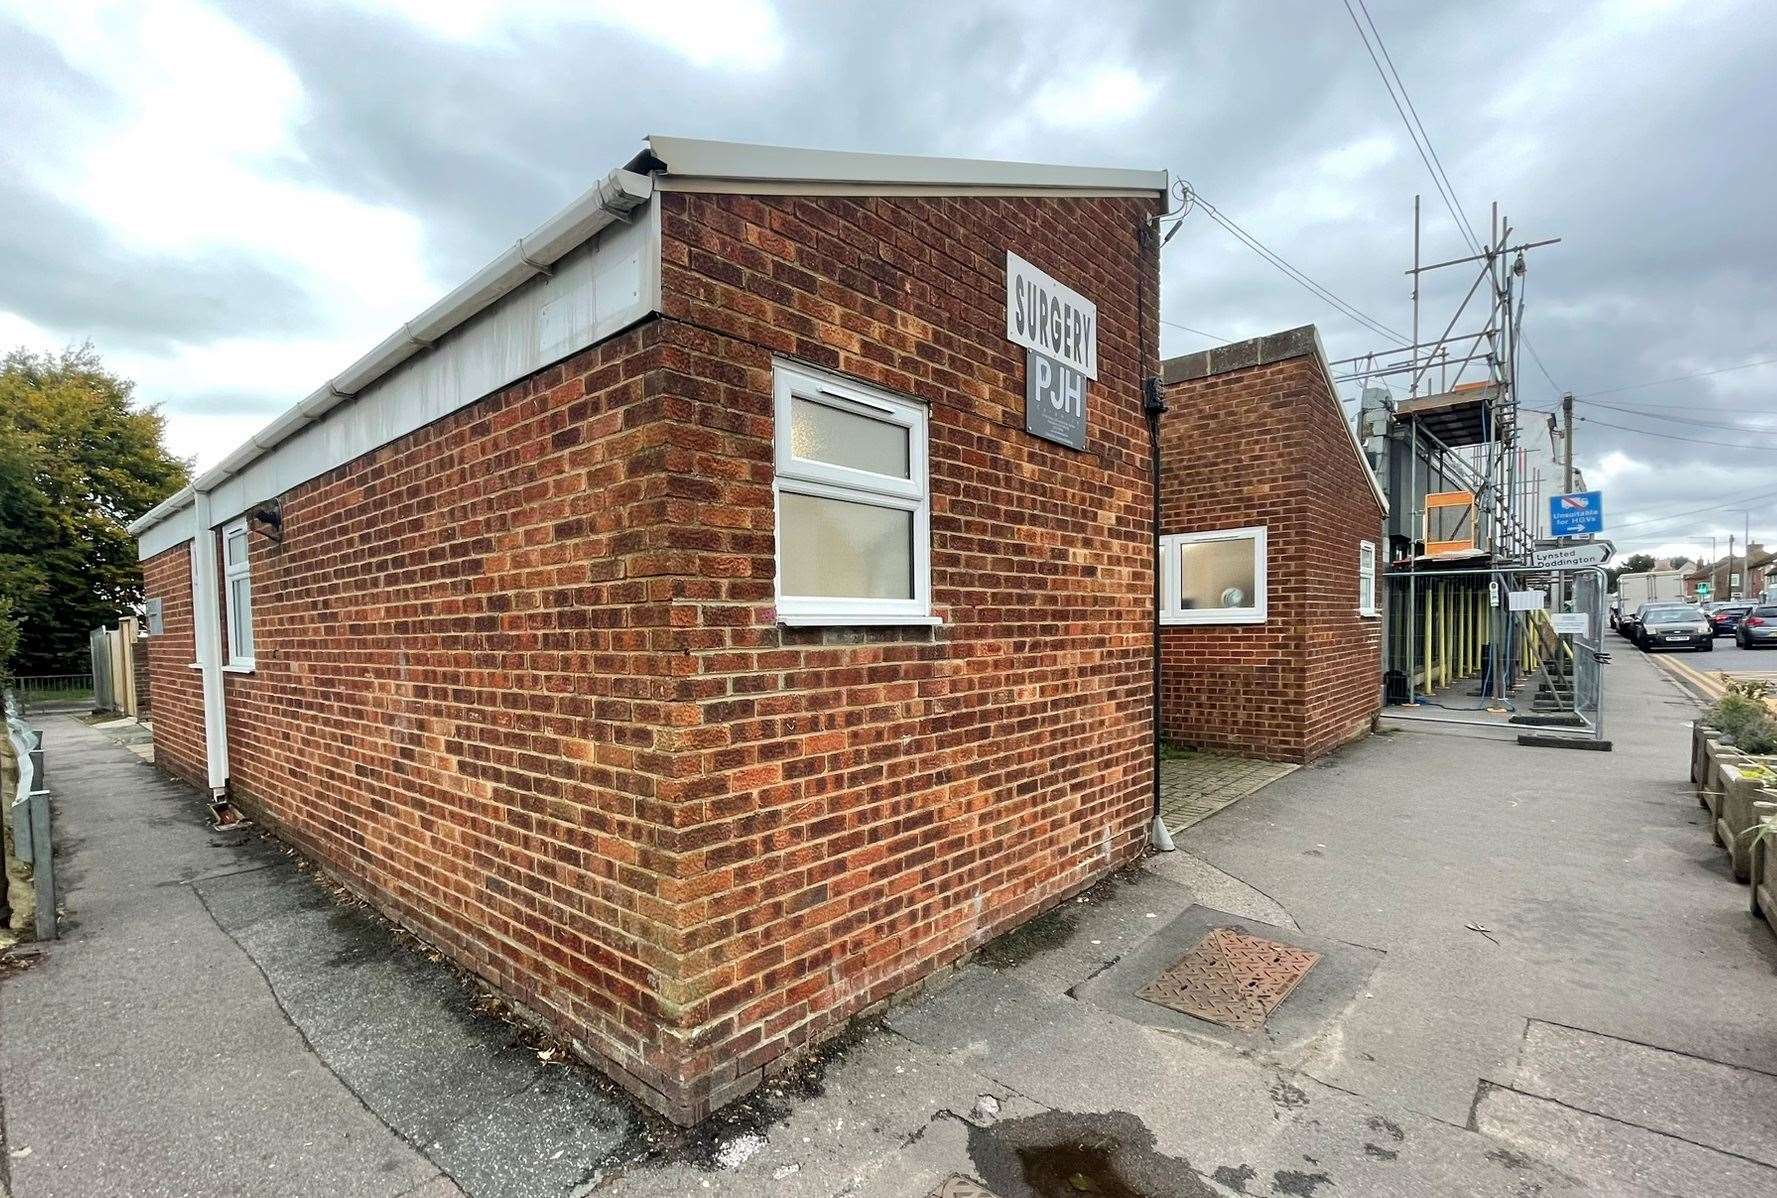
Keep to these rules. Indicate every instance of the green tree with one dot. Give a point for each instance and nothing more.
(78, 462)
(1679, 562)
(1635, 563)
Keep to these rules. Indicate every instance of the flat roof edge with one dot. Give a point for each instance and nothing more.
(691, 157)
(1299, 342)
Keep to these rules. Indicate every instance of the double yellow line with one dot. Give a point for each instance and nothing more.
(1711, 688)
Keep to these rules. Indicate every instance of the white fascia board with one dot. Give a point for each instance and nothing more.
(578, 278)
(693, 158)
(594, 292)
(174, 527)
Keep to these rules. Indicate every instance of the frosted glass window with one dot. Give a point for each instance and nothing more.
(822, 433)
(1217, 574)
(834, 547)
(237, 574)
(853, 501)
(1213, 577)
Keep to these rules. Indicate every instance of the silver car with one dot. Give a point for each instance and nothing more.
(1673, 625)
(1758, 627)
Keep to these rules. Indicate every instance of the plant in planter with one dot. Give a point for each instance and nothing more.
(1737, 826)
(1744, 724)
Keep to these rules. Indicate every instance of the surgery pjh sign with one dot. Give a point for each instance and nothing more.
(1054, 320)
(1054, 400)
(1058, 328)
(1576, 514)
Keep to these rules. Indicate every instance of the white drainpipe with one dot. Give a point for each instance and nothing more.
(206, 614)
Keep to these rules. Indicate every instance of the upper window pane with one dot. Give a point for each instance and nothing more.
(234, 545)
(839, 549)
(1217, 574)
(822, 433)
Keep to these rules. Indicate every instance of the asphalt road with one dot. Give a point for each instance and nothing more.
(1726, 656)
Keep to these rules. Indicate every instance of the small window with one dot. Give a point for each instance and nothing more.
(236, 574)
(853, 505)
(1366, 578)
(1213, 577)
(153, 618)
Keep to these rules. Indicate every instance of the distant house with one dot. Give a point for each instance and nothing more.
(1736, 576)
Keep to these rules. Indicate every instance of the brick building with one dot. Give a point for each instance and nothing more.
(1270, 568)
(677, 623)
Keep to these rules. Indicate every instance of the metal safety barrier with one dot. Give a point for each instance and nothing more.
(27, 810)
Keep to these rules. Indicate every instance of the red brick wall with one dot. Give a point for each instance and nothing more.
(863, 806)
(1263, 446)
(178, 714)
(519, 678)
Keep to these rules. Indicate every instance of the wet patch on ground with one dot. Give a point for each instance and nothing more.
(1298, 1184)
(1060, 1154)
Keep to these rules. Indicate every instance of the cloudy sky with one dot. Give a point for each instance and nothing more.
(233, 200)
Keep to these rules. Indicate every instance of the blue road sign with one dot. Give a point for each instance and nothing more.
(1576, 514)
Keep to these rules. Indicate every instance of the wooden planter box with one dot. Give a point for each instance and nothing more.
(1737, 816)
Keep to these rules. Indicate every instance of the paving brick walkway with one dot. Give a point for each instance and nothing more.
(1198, 784)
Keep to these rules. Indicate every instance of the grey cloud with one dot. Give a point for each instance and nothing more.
(1652, 157)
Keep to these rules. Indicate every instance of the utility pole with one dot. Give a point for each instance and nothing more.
(1567, 441)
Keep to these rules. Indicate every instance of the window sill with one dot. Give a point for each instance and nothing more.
(238, 668)
(858, 621)
(1209, 618)
(1369, 615)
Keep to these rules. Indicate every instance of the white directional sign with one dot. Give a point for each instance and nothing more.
(1595, 554)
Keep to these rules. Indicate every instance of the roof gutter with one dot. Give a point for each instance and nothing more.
(612, 199)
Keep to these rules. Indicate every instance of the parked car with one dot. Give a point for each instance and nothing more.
(1758, 628)
(1726, 616)
(1670, 625)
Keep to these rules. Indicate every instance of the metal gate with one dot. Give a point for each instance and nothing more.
(1518, 647)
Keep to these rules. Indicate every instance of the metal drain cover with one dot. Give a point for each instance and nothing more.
(958, 1186)
(1231, 978)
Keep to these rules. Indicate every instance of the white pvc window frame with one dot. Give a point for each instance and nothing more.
(801, 476)
(237, 589)
(1172, 571)
(1366, 579)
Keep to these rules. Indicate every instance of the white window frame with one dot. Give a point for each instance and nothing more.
(1171, 578)
(800, 476)
(241, 572)
(1366, 580)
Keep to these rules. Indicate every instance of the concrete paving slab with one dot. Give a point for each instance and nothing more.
(1587, 869)
(1334, 983)
(1718, 1106)
(1617, 1157)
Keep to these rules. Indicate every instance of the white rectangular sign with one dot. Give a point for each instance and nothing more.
(1050, 318)
(1560, 558)
(1526, 601)
(1575, 622)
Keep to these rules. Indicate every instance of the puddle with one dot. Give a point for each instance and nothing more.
(1059, 1154)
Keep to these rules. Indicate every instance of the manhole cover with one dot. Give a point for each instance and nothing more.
(958, 1186)
(1231, 978)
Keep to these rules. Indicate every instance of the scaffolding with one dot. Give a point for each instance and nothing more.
(1462, 524)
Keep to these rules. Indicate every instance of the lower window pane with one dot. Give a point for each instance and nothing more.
(240, 617)
(831, 548)
(1217, 574)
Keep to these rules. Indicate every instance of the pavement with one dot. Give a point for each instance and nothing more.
(1535, 977)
